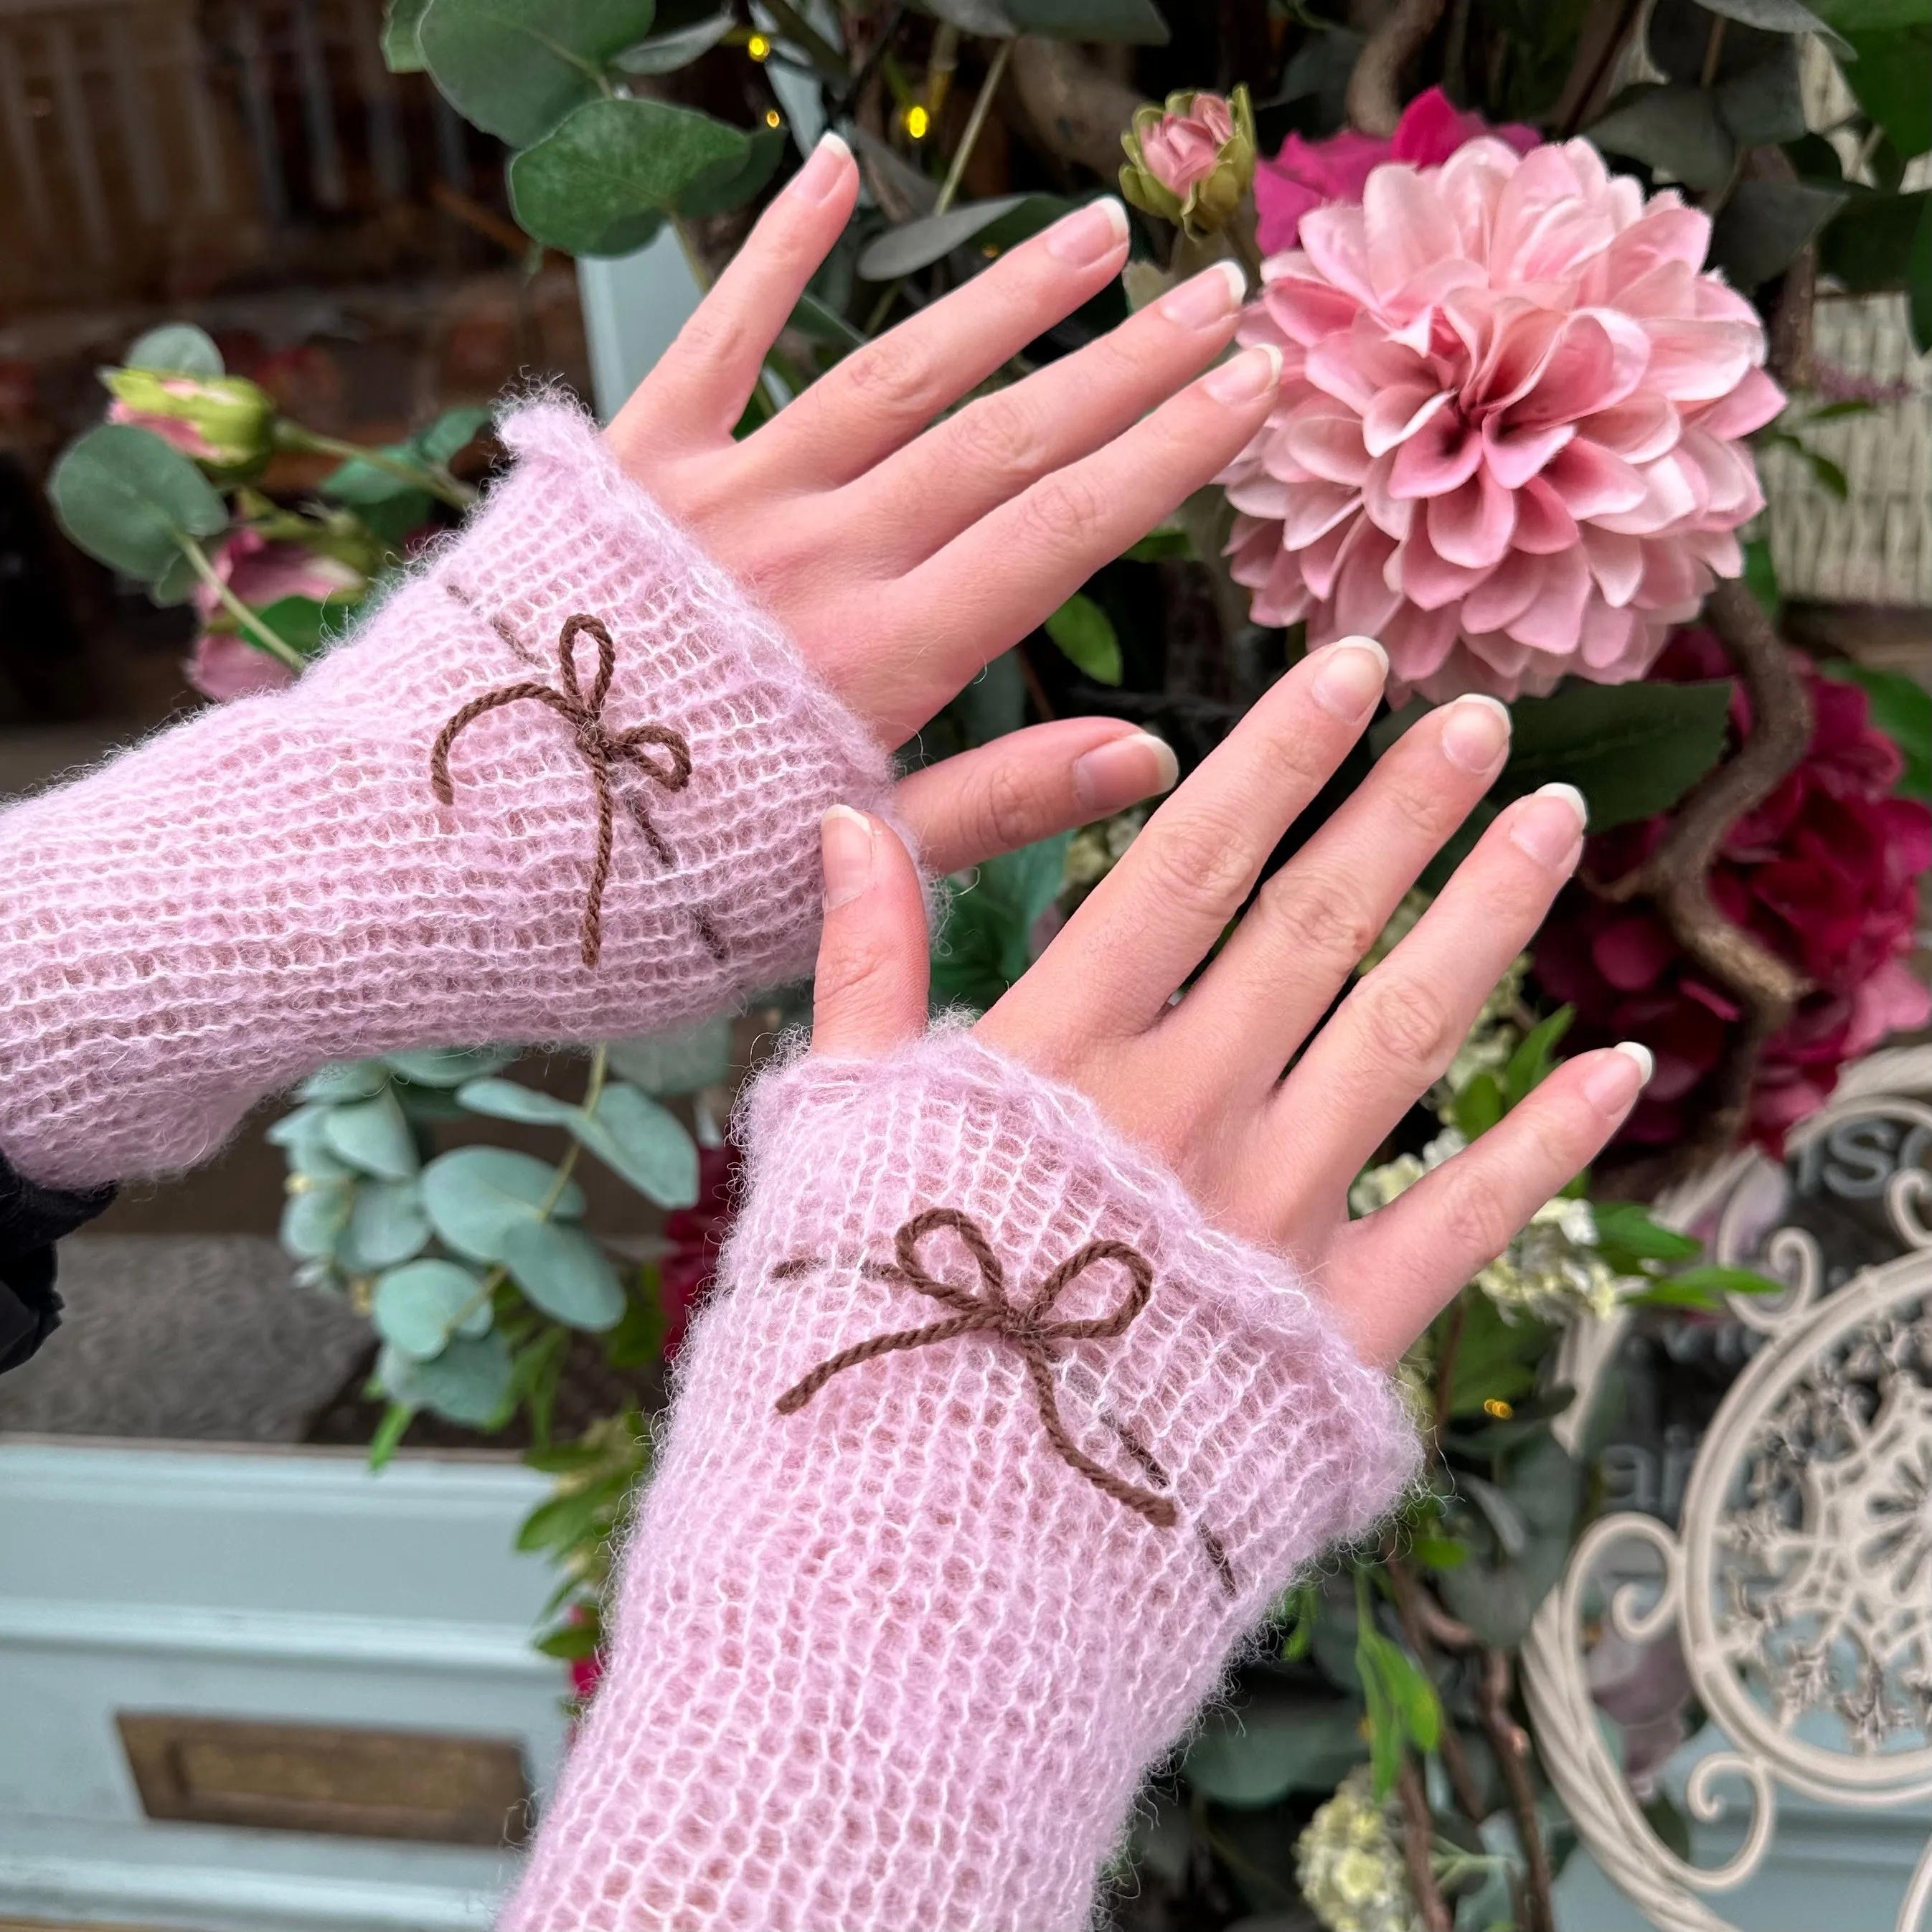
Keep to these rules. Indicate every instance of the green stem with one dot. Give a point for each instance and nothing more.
(259, 633)
(434, 480)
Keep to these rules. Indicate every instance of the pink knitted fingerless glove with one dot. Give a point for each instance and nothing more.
(276, 883)
(901, 1627)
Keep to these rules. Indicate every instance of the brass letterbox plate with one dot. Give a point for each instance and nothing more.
(319, 1777)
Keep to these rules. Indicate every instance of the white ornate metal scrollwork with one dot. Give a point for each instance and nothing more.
(1799, 1582)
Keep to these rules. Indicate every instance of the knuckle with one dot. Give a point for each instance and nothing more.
(1319, 917)
(1199, 863)
(1010, 814)
(851, 979)
(1067, 504)
(998, 437)
(1407, 1022)
(1474, 1219)
(718, 335)
(895, 379)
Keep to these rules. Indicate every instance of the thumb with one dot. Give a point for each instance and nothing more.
(870, 993)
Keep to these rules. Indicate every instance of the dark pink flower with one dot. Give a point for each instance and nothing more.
(1824, 872)
(1305, 174)
(226, 665)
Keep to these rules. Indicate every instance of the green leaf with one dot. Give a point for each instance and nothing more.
(1676, 129)
(178, 348)
(679, 1062)
(645, 1143)
(565, 1272)
(571, 1644)
(1439, 1552)
(1493, 1357)
(516, 67)
(506, 1100)
(917, 244)
(732, 184)
(1166, 542)
(402, 45)
(1869, 246)
(475, 1194)
(600, 183)
(344, 1080)
(1479, 1106)
(1411, 1696)
(1544, 1482)
(1627, 1227)
(1512, 1532)
(468, 1382)
(448, 1065)
(1772, 16)
(453, 432)
(129, 499)
(300, 1134)
(1918, 283)
(1631, 749)
(372, 1135)
(665, 53)
(1278, 1740)
(1894, 50)
(314, 1218)
(1715, 1279)
(1901, 707)
(1764, 106)
(306, 625)
(420, 1307)
(1765, 224)
(1134, 23)
(638, 1340)
(986, 942)
(387, 1225)
(1085, 634)
(1532, 1061)
(1761, 576)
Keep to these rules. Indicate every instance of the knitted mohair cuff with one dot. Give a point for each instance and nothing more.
(902, 1626)
(275, 884)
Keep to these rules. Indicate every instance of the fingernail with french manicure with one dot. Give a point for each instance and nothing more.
(1090, 236)
(1548, 825)
(1122, 771)
(845, 841)
(1476, 733)
(1353, 671)
(1211, 296)
(1614, 1083)
(824, 168)
(1253, 373)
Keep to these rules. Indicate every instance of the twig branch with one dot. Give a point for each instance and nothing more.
(1077, 112)
(1603, 34)
(1510, 1744)
(1676, 875)
(1418, 1839)
(1375, 90)
(1422, 1617)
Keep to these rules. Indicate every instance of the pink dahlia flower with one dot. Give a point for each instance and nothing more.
(1305, 174)
(1507, 439)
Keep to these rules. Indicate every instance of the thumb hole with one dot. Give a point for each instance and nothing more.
(870, 993)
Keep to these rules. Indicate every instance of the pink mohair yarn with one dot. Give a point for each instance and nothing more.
(272, 884)
(889, 1660)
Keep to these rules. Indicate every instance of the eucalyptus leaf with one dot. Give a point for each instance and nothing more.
(918, 244)
(1764, 106)
(1674, 130)
(372, 1135)
(421, 1308)
(613, 164)
(665, 53)
(387, 1225)
(986, 18)
(313, 1218)
(1278, 1742)
(178, 348)
(986, 943)
(345, 1080)
(468, 1382)
(506, 1100)
(129, 499)
(306, 624)
(1512, 1532)
(678, 1062)
(1085, 634)
(733, 183)
(402, 47)
(453, 432)
(1631, 749)
(1868, 245)
(1762, 227)
(994, 702)
(516, 67)
(1888, 77)
(177, 583)
(1773, 16)
(448, 1065)
(565, 1272)
(645, 1143)
(300, 1135)
(475, 1194)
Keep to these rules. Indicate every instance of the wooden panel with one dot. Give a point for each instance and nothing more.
(314, 1777)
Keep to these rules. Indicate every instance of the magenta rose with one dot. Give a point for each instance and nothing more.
(1824, 873)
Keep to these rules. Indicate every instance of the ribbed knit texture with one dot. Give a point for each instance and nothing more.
(271, 885)
(888, 1661)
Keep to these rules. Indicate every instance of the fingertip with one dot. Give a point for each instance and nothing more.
(870, 991)
(1617, 1076)
(1123, 771)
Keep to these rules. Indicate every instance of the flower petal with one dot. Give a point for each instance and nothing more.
(1395, 415)
(1444, 452)
(1472, 525)
(1325, 438)
(1592, 482)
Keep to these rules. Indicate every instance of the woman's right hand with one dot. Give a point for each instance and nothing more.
(1199, 1081)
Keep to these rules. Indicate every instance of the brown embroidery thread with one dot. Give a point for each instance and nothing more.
(601, 748)
(989, 1310)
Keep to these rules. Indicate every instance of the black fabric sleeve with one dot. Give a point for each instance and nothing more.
(33, 1218)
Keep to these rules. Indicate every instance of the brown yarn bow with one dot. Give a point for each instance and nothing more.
(1024, 1324)
(601, 747)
